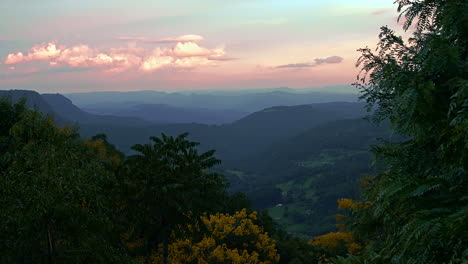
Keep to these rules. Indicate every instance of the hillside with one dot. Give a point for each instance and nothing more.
(307, 173)
(34, 99)
(257, 131)
(65, 112)
(245, 137)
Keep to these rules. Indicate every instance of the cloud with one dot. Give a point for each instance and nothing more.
(190, 49)
(157, 60)
(44, 53)
(329, 60)
(317, 62)
(180, 39)
(36, 53)
(184, 54)
(15, 58)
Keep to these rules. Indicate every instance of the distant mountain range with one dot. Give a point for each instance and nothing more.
(130, 123)
(243, 101)
(204, 106)
(162, 113)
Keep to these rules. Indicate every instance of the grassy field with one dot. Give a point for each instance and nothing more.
(284, 216)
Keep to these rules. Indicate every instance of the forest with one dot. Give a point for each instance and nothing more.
(303, 190)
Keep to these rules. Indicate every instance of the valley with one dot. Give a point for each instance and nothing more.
(293, 161)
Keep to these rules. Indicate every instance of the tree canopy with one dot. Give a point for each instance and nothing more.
(51, 193)
(419, 209)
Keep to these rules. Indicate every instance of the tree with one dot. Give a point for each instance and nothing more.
(236, 202)
(341, 242)
(52, 203)
(105, 151)
(11, 114)
(418, 212)
(166, 187)
(232, 239)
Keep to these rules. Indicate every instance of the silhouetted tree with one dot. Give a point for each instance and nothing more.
(167, 186)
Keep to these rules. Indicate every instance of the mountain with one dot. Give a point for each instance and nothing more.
(245, 137)
(64, 106)
(283, 120)
(240, 101)
(336, 89)
(163, 113)
(345, 89)
(335, 138)
(259, 130)
(34, 100)
(64, 111)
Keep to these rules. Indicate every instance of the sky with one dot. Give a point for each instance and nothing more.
(124, 45)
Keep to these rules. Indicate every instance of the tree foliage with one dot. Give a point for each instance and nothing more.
(166, 187)
(232, 239)
(51, 195)
(418, 209)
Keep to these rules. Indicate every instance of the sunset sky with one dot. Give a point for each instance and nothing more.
(96, 45)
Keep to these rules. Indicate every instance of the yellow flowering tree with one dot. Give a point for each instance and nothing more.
(341, 242)
(345, 203)
(234, 239)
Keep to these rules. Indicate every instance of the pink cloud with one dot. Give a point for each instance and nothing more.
(192, 62)
(77, 56)
(183, 55)
(186, 53)
(15, 58)
(190, 49)
(156, 61)
(44, 52)
(36, 53)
